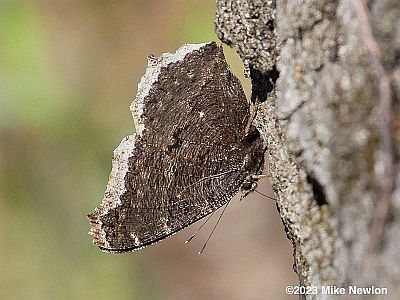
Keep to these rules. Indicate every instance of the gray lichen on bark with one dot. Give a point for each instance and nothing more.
(326, 129)
(248, 26)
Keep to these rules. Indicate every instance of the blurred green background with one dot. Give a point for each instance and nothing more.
(68, 72)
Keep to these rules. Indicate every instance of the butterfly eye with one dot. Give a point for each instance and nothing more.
(246, 185)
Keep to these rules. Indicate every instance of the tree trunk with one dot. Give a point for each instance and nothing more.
(332, 128)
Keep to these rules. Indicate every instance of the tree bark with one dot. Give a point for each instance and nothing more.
(332, 127)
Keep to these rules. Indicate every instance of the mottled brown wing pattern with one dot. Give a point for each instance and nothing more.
(190, 157)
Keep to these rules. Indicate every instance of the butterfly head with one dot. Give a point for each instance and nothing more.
(249, 184)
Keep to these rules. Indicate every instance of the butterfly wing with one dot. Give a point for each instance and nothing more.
(188, 157)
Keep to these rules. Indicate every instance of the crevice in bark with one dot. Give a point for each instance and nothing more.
(262, 83)
(318, 190)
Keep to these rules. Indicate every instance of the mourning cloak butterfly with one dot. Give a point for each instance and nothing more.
(193, 150)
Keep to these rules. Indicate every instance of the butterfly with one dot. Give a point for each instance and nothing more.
(194, 148)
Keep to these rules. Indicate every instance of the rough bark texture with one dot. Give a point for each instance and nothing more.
(332, 129)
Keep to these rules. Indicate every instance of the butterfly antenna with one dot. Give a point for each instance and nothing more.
(241, 197)
(202, 225)
(215, 226)
(269, 197)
